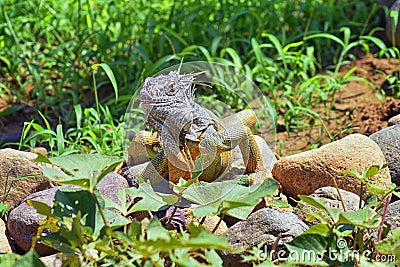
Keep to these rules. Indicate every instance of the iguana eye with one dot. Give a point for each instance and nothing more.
(170, 88)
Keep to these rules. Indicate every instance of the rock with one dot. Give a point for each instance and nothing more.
(262, 226)
(54, 260)
(23, 221)
(390, 32)
(209, 223)
(14, 163)
(393, 216)
(110, 184)
(265, 225)
(394, 120)
(40, 151)
(331, 197)
(388, 140)
(238, 167)
(5, 246)
(305, 172)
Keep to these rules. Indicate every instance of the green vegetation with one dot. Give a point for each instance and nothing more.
(293, 50)
(74, 66)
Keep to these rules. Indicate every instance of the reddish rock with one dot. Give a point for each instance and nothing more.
(305, 172)
(13, 164)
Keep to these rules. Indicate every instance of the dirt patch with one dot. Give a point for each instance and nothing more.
(358, 108)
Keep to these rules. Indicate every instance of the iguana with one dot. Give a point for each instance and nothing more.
(181, 130)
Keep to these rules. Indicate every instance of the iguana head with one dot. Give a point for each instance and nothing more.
(167, 89)
(169, 98)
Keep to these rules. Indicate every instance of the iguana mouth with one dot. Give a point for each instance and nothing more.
(161, 102)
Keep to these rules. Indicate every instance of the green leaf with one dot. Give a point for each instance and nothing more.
(155, 231)
(308, 249)
(80, 168)
(8, 259)
(317, 229)
(29, 259)
(380, 190)
(213, 194)
(203, 211)
(70, 201)
(373, 170)
(366, 218)
(391, 246)
(110, 75)
(3, 209)
(41, 207)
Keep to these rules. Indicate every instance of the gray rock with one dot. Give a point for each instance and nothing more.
(388, 139)
(394, 120)
(305, 172)
(110, 185)
(393, 216)
(23, 221)
(13, 164)
(262, 226)
(54, 260)
(331, 196)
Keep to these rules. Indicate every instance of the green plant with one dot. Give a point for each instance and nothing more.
(344, 237)
(91, 230)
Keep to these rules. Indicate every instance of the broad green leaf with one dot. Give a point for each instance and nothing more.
(68, 202)
(80, 169)
(41, 207)
(29, 259)
(380, 190)
(373, 170)
(391, 246)
(84, 165)
(317, 229)
(169, 199)
(365, 218)
(8, 259)
(203, 211)
(213, 194)
(155, 231)
(319, 203)
(279, 204)
(308, 249)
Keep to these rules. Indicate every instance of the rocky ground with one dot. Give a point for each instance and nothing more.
(308, 173)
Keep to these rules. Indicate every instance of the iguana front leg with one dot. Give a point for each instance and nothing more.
(236, 131)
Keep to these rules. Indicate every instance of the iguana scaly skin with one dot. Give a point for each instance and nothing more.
(182, 130)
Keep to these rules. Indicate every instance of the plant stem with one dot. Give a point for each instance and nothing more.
(361, 193)
(100, 209)
(385, 211)
(218, 223)
(170, 217)
(340, 195)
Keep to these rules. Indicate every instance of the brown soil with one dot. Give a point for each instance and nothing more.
(358, 108)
